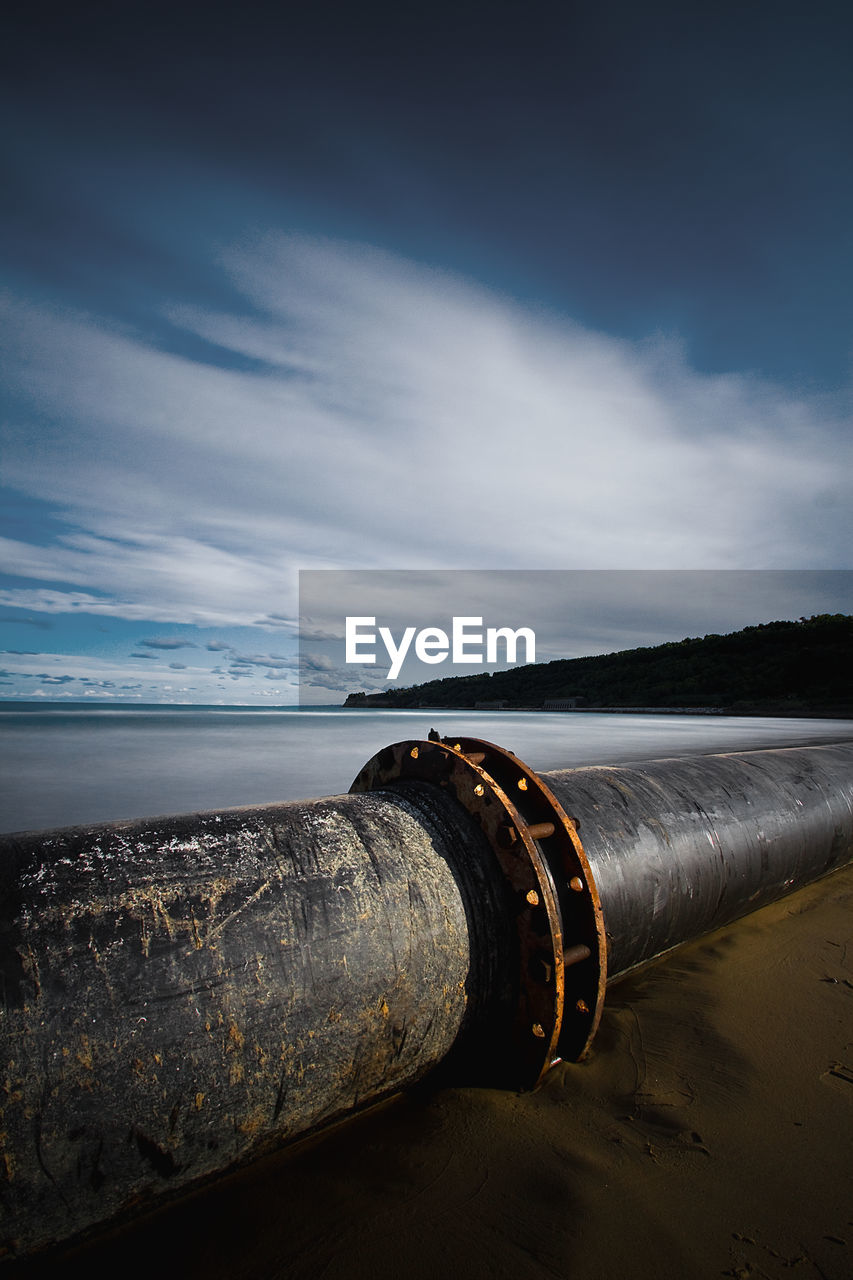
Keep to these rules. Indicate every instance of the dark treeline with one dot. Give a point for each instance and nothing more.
(775, 668)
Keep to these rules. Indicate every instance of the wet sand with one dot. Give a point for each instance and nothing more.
(710, 1133)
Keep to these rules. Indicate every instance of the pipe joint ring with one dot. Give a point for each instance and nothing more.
(557, 915)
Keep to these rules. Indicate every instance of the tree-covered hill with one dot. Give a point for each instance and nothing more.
(775, 668)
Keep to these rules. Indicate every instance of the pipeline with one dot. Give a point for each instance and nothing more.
(182, 994)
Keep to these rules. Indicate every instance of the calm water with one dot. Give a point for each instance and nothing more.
(66, 764)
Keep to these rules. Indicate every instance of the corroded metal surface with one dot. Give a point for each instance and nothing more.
(561, 954)
(179, 992)
(532, 1043)
(583, 967)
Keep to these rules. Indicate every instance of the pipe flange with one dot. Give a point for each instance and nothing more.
(584, 967)
(539, 853)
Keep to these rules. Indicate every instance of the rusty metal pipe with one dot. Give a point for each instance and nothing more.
(179, 994)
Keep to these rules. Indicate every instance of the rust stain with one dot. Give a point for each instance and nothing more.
(7, 1161)
(153, 908)
(255, 1122)
(84, 1054)
(197, 942)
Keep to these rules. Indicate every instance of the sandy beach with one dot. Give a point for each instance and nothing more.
(708, 1134)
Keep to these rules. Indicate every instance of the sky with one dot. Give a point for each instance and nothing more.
(483, 286)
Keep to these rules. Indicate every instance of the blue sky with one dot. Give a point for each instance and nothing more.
(540, 286)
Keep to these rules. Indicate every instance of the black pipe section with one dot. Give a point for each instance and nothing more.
(180, 994)
(681, 847)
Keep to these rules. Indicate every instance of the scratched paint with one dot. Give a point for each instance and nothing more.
(184, 992)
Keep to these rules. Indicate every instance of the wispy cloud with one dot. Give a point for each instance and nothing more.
(271, 660)
(168, 642)
(41, 623)
(151, 680)
(398, 417)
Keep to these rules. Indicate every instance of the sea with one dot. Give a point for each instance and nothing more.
(65, 764)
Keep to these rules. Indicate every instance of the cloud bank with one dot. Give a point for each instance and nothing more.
(367, 412)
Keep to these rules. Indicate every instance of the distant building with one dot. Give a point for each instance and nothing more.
(490, 706)
(560, 704)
